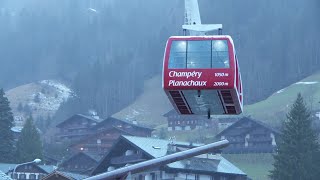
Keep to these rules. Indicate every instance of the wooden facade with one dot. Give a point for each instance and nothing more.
(130, 150)
(90, 136)
(75, 128)
(224, 123)
(127, 126)
(178, 122)
(249, 136)
(59, 175)
(100, 142)
(80, 163)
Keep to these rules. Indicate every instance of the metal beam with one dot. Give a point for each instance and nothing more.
(142, 166)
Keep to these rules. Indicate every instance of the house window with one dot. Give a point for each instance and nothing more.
(141, 177)
(199, 54)
(22, 176)
(197, 177)
(153, 176)
(32, 177)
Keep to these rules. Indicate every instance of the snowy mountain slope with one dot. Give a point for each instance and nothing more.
(41, 99)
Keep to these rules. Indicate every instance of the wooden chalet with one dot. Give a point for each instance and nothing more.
(128, 126)
(178, 122)
(100, 142)
(27, 171)
(130, 150)
(249, 136)
(106, 133)
(49, 160)
(75, 128)
(79, 163)
(224, 123)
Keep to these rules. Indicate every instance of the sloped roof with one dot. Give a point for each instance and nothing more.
(95, 157)
(98, 133)
(124, 121)
(67, 175)
(74, 175)
(248, 119)
(91, 156)
(3, 176)
(7, 167)
(48, 168)
(159, 147)
(81, 116)
(170, 113)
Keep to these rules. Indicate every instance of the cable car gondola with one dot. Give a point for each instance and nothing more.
(201, 75)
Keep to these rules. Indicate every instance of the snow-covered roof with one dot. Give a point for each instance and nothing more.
(3, 176)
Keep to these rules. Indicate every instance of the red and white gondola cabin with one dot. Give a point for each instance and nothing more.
(201, 75)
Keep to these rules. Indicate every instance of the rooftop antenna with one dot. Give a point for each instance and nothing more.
(192, 21)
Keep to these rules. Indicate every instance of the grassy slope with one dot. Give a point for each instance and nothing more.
(23, 94)
(150, 106)
(153, 103)
(256, 166)
(273, 109)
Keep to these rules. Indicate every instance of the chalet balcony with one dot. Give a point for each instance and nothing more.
(260, 139)
(68, 134)
(134, 158)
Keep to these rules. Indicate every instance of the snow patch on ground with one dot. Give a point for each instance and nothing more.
(318, 114)
(93, 10)
(307, 83)
(50, 102)
(135, 113)
(280, 91)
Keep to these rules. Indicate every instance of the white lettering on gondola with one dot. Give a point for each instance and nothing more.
(187, 83)
(185, 74)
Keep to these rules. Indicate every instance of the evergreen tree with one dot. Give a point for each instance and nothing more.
(163, 133)
(6, 135)
(297, 155)
(29, 145)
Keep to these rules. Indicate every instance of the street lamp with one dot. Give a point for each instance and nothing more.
(31, 162)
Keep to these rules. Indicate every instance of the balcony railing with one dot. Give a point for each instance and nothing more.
(66, 134)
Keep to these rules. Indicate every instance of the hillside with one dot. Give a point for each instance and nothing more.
(41, 99)
(153, 103)
(149, 106)
(273, 109)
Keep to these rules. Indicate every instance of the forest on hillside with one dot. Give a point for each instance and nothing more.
(106, 49)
